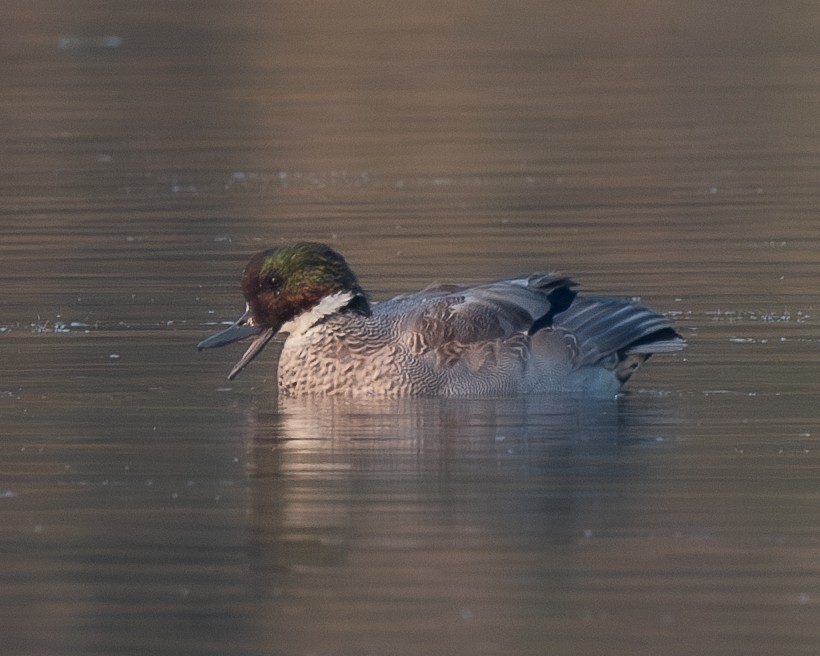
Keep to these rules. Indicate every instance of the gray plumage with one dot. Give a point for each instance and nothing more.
(466, 341)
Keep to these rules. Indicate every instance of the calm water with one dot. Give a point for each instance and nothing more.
(149, 506)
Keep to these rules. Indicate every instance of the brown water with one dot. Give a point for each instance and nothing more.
(148, 506)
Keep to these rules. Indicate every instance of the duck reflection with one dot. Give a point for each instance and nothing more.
(335, 481)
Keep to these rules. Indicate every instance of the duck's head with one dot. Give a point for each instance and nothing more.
(289, 289)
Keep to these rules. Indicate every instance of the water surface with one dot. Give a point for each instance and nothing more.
(149, 505)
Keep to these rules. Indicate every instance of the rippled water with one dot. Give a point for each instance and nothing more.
(150, 506)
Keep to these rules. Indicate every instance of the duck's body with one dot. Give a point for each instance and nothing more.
(517, 336)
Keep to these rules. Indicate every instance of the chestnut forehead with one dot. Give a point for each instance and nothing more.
(261, 264)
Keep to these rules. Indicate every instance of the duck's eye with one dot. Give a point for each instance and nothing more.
(274, 284)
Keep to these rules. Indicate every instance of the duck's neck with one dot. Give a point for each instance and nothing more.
(331, 304)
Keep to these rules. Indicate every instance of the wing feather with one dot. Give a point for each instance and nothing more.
(445, 314)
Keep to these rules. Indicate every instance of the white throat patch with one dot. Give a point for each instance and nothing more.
(304, 321)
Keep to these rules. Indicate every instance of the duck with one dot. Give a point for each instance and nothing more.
(533, 334)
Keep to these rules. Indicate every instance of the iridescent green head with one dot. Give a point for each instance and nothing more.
(281, 284)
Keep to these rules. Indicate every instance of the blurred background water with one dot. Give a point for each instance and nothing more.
(662, 150)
